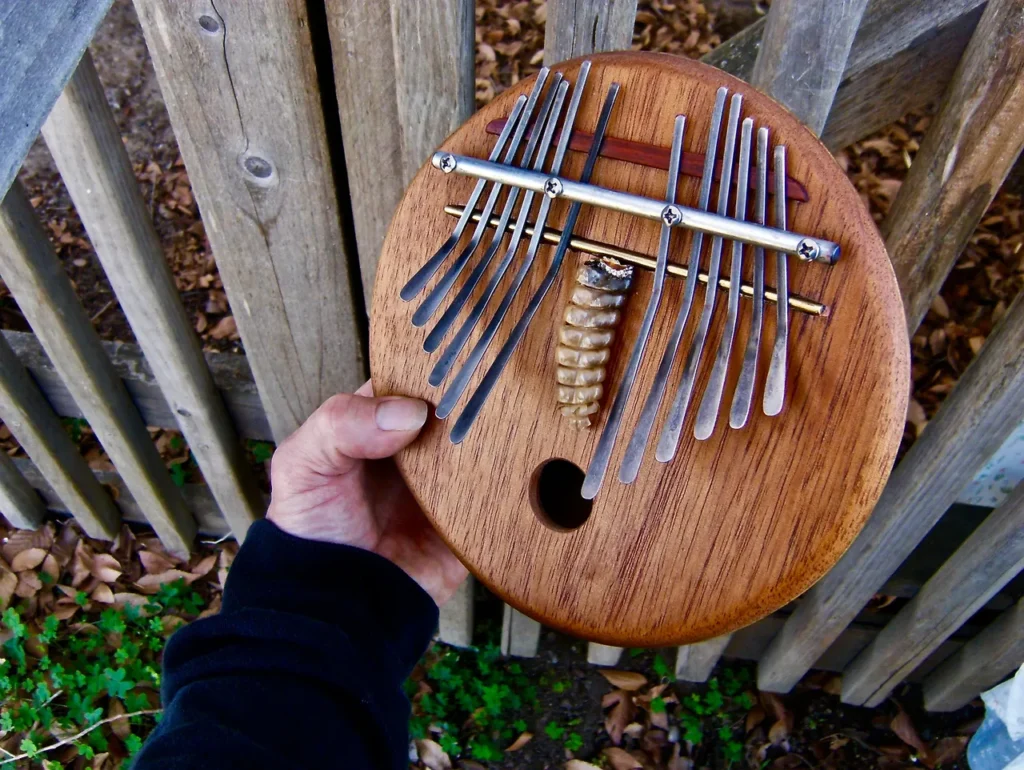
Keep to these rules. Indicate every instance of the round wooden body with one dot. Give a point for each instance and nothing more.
(735, 526)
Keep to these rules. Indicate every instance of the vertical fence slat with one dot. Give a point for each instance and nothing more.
(404, 76)
(29, 417)
(981, 566)
(520, 635)
(242, 92)
(803, 54)
(455, 624)
(967, 152)
(980, 664)
(695, 662)
(19, 503)
(86, 145)
(31, 269)
(575, 28)
(603, 654)
(969, 427)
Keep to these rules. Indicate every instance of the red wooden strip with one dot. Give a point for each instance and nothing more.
(658, 157)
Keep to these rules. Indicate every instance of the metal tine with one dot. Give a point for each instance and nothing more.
(426, 272)
(451, 313)
(707, 414)
(479, 397)
(444, 365)
(775, 385)
(668, 442)
(603, 454)
(642, 432)
(744, 395)
(436, 295)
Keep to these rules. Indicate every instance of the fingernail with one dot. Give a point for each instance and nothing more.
(401, 414)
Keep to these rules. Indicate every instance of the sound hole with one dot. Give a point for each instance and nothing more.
(555, 495)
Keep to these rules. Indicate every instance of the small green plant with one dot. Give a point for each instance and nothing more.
(661, 668)
(261, 450)
(574, 742)
(554, 731)
(560, 686)
(65, 682)
(75, 427)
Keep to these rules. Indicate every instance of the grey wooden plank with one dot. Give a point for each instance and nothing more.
(983, 564)
(901, 59)
(33, 423)
(33, 273)
(968, 428)
(575, 28)
(40, 44)
(398, 97)
(19, 503)
(86, 145)
(455, 624)
(209, 519)
(695, 662)
(241, 89)
(981, 664)
(803, 54)
(520, 635)
(969, 149)
(603, 654)
(230, 371)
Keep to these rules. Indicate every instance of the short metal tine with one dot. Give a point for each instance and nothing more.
(744, 395)
(707, 414)
(479, 397)
(668, 442)
(447, 360)
(603, 454)
(425, 273)
(775, 385)
(641, 433)
(537, 152)
(436, 295)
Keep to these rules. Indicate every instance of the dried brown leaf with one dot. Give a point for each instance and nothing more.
(22, 539)
(124, 598)
(154, 563)
(150, 584)
(8, 582)
(624, 680)
(30, 558)
(948, 750)
(28, 585)
(225, 329)
(579, 764)
(755, 717)
(788, 762)
(903, 726)
(521, 741)
(432, 755)
(204, 566)
(620, 716)
(620, 759)
(102, 594)
(677, 761)
(105, 568)
(121, 727)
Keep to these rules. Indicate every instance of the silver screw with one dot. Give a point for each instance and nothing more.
(807, 250)
(671, 215)
(447, 163)
(552, 188)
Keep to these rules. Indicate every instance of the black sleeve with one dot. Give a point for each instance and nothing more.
(302, 668)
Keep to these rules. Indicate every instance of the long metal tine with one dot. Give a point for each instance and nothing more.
(447, 360)
(641, 433)
(744, 395)
(669, 439)
(707, 414)
(425, 273)
(479, 397)
(436, 295)
(775, 385)
(550, 112)
(603, 454)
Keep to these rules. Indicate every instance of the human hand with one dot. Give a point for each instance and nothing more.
(333, 480)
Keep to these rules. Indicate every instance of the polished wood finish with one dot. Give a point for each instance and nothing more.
(734, 527)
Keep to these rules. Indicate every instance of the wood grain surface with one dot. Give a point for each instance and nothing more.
(735, 526)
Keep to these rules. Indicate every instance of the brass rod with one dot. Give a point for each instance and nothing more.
(551, 235)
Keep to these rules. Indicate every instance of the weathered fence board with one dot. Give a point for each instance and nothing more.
(455, 624)
(40, 44)
(695, 662)
(19, 503)
(892, 68)
(242, 92)
(520, 635)
(404, 76)
(803, 54)
(982, 663)
(577, 28)
(87, 148)
(31, 270)
(603, 654)
(967, 152)
(967, 429)
(32, 422)
(983, 564)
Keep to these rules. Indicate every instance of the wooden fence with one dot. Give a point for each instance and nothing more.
(264, 97)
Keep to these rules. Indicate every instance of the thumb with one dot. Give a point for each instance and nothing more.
(348, 428)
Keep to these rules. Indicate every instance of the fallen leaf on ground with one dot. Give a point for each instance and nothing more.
(624, 680)
(30, 558)
(225, 328)
(432, 755)
(8, 582)
(755, 717)
(948, 750)
(521, 741)
(155, 563)
(903, 726)
(620, 716)
(150, 584)
(788, 762)
(620, 759)
(121, 727)
(579, 764)
(102, 594)
(105, 567)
